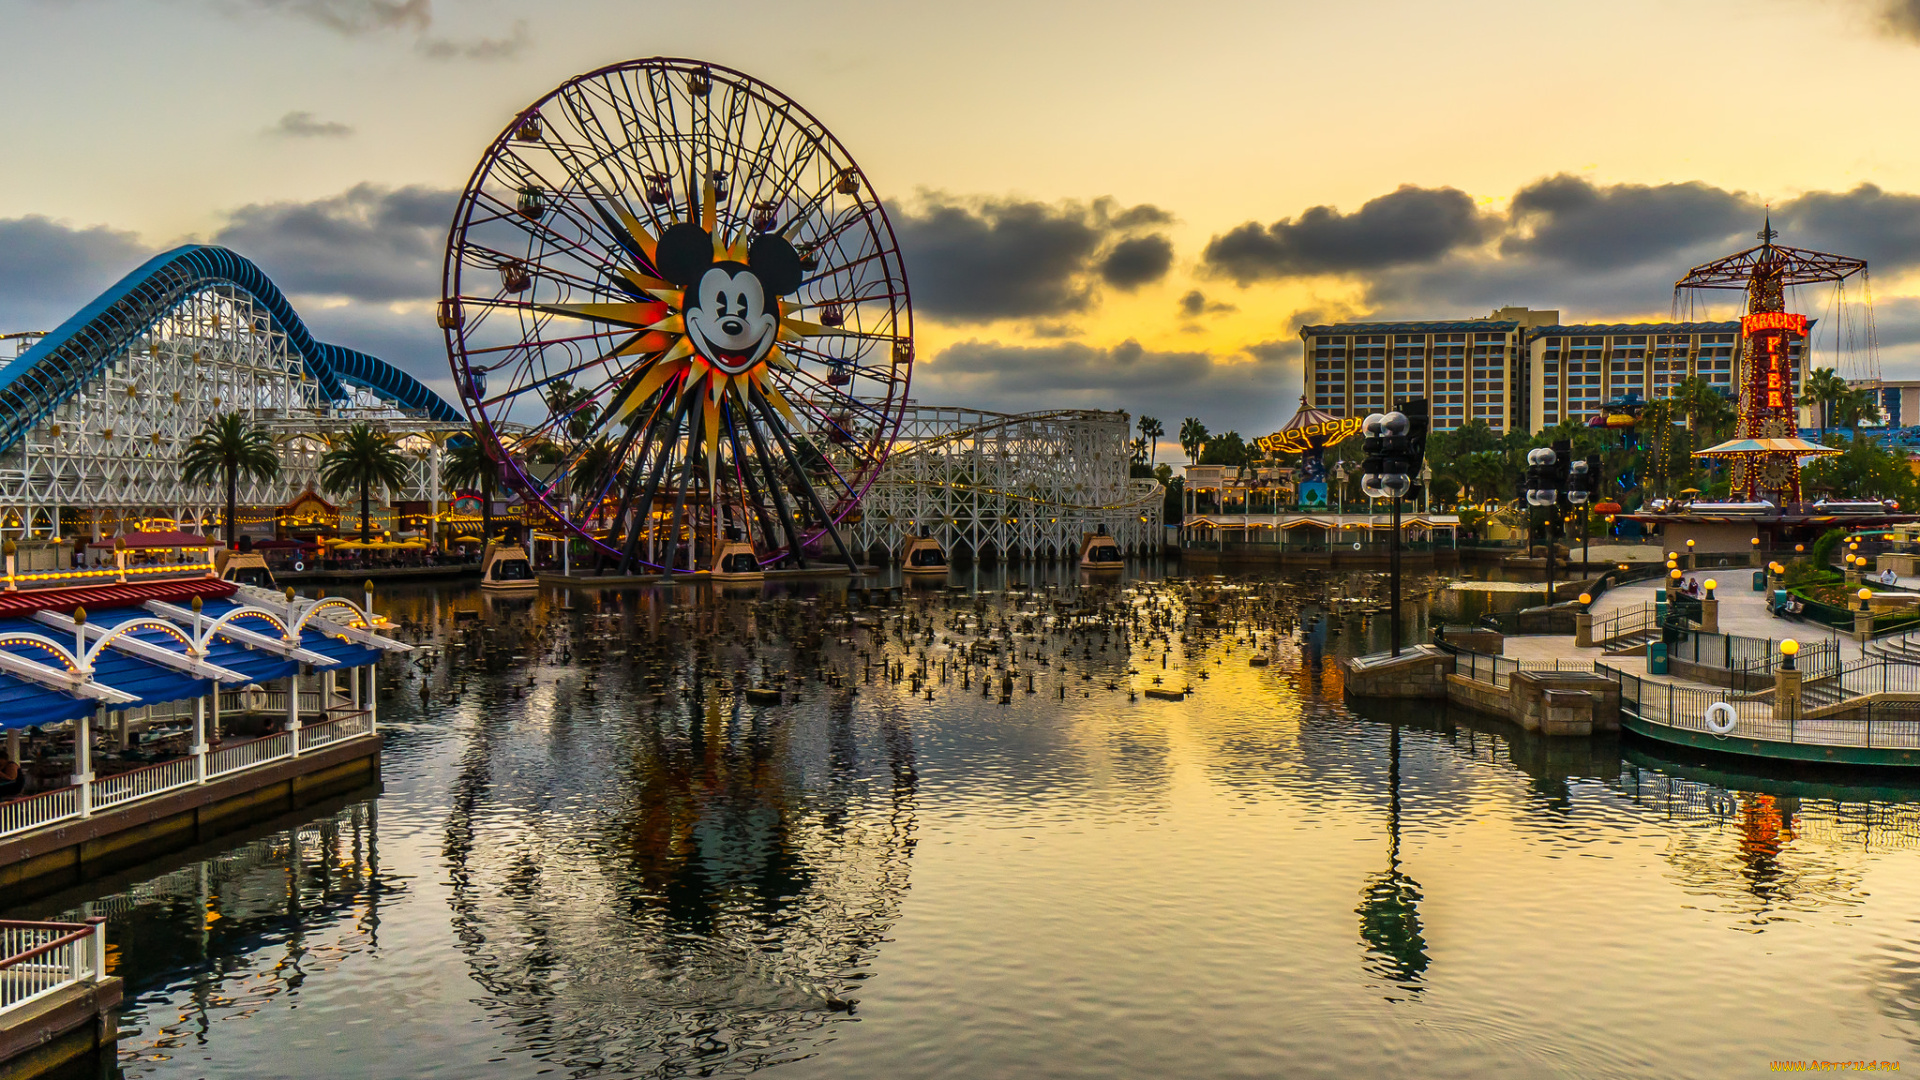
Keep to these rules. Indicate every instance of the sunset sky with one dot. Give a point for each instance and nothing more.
(1282, 162)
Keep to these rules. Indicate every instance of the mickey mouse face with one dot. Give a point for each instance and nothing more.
(731, 309)
(730, 317)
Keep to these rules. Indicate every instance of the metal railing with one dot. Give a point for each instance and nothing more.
(143, 781)
(1499, 670)
(246, 755)
(269, 701)
(68, 803)
(352, 725)
(38, 958)
(1872, 675)
(1879, 724)
(43, 808)
(1816, 660)
(1626, 623)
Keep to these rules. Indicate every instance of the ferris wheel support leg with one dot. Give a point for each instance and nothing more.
(626, 494)
(694, 439)
(746, 476)
(653, 484)
(806, 484)
(779, 497)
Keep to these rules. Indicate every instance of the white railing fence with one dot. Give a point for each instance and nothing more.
(62, 804)
(142, 782)
(352, 725)
(246, 755)
(44, 808)
(39, 958)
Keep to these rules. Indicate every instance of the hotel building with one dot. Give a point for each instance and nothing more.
(1467, 370)
(1515, 369)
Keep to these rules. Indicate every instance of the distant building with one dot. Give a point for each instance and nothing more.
(1469, 369)
(1899, 402)
(1517, 368)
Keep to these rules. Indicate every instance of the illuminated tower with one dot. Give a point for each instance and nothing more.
(1766, 447)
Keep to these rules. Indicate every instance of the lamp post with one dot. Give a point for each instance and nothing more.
(1583, 478)
(1386, 478)
(1395, 447)
(1339, 488)
(1542, 491)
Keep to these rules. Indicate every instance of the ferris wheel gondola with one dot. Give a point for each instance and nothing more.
(678, 318)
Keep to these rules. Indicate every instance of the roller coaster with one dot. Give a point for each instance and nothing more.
(95, 414)
(1024, 485)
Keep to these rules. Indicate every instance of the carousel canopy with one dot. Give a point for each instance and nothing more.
(1309, 429)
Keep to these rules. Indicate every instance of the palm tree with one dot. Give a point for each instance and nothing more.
(1824, 387)
(361, 459)
(1151, 431)
(1192, 434)
(225, 449)
(467, 465)
(1704, 405)
(1856, 406)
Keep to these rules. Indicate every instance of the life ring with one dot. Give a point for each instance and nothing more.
(298, 566)
(1726, 714)
(1356, 545)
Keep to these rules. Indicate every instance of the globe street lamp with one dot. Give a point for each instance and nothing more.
(1543, 492)
(1395, 447)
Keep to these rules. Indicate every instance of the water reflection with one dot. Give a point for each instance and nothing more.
(675, 878)
(220, 939)
(1390, 902)
(593, 856)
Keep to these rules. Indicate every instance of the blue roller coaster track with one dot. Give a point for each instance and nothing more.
(40, 379)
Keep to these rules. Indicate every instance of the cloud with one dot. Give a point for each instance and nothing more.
(506, 48)
(1597, 251)
(1571, 220)
(407, 339)
(1866, 222)
(1242, 392)
(304, 125)
(48, 269)
(1901, 18)
(1141, 260)
(354, 18)
(1409, 225)
(981, 259)
(1195, 304)
(366, 18)
(369, 243)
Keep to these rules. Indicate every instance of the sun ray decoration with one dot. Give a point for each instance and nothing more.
(678, 318)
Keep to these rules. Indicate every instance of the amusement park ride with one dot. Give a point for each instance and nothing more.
(676, 314)
(1767, 451)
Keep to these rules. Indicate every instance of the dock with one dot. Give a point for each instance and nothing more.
(586, 579)
(1727, 688)
(57, 1002)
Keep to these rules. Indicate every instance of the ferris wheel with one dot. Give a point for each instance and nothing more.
(678, 317)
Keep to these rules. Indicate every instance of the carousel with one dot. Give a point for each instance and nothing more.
(1274, 510)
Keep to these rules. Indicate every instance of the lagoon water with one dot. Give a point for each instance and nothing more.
(588, 857)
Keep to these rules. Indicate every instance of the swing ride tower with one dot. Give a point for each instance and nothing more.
(1766, 449)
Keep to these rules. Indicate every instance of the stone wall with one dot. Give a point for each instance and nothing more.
(1418, 672)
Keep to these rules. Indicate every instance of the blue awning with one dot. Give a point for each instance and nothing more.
(258, 665)
(149, 683)
(26, 704)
